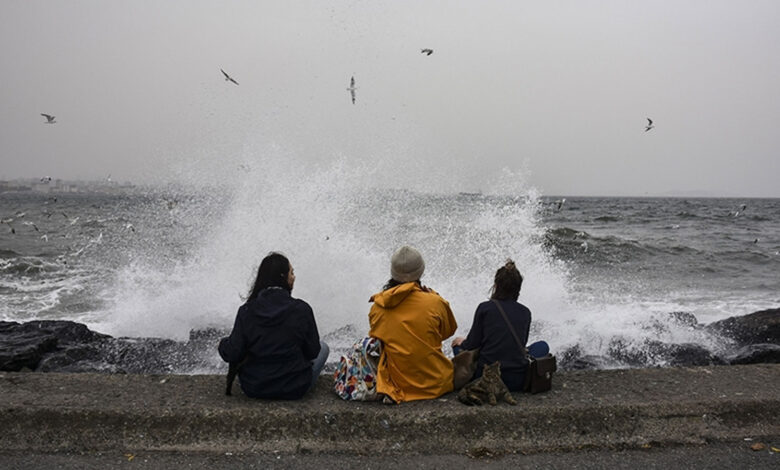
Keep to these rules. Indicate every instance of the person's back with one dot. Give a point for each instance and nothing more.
(280, 339)
(496, 343)
(411, 321)
(275, 337)
(496, 339)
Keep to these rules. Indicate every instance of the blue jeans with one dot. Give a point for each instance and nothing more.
(318, 363)
(537, 349)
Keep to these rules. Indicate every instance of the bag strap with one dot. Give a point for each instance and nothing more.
(511, 328)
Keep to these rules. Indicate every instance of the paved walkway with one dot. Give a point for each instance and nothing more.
(618, 409)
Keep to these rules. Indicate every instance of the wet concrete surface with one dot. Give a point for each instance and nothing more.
(605, 411)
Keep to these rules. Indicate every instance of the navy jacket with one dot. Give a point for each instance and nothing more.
(490, 334)
(279, 336)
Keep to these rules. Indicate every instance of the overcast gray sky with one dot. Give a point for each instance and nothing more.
(556, 90)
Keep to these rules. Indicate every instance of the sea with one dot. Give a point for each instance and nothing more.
(164, 260)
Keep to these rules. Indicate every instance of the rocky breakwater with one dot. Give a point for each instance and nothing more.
(747, 339)
(756, 336)
(64, 346)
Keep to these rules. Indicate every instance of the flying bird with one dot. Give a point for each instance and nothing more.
(352, 89)
(49, 118)
(426, 51)
(649, 124)
(45, 179)
(228, 78)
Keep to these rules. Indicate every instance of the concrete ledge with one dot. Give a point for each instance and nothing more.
(594, 409)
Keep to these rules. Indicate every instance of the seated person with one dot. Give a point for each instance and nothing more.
(411, 321)
(276, 337)
(490, 333)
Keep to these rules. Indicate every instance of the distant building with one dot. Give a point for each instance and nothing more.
(9, 186)
(59, 186)
(42, 187)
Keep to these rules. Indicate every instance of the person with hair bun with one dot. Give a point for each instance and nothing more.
(275, 337)
(411, 320)
(489, 332)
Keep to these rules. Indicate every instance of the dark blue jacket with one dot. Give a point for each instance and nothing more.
(278, 335)
(490, 334)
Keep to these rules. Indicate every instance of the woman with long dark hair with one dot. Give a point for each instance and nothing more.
(275, 337)
(490, 333)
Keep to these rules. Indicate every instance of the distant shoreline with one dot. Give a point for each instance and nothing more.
(64, 187)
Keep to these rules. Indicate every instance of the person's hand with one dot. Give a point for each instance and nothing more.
(458, 341)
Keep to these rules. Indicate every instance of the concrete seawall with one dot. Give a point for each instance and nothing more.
(594, 409)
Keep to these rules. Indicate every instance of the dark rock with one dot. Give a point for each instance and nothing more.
(627, 353)
(65, 331)
(30, 344)
(573, 358)
(684, 318)
(652, 353)
(64, 346)
(754, 328)
(590, 362)
(144, 355)
(7, 326)
(72, 347)
(685, 354)
(81, 358)
(208, 335)
(664, 323)
(756, 354)
(24, 350)
(568, 356)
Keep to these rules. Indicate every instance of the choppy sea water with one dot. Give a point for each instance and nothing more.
(161, 263)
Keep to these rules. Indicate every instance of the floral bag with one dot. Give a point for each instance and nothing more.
(356, 373)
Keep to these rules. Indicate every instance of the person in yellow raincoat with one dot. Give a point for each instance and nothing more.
(411, 321)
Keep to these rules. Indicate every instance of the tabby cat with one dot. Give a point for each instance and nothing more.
(487, 387)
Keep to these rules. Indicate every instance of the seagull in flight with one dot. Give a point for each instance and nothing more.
(649, 124)
(228, 78)
(352, 89)
(426, 51)
(49, 118)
